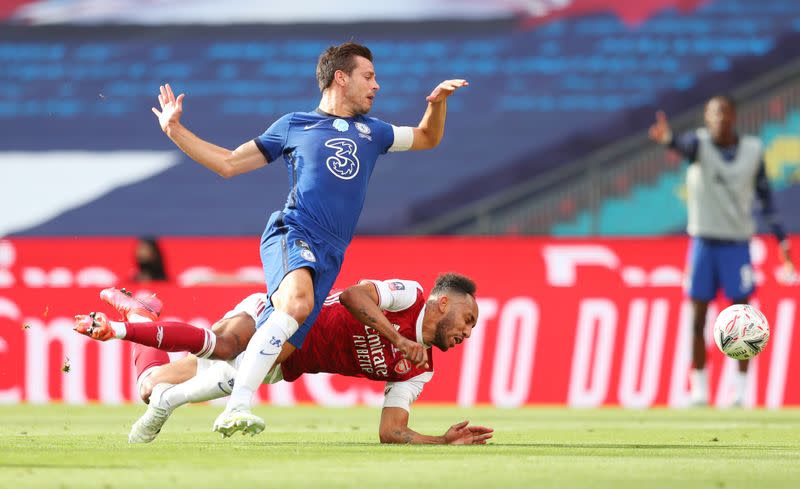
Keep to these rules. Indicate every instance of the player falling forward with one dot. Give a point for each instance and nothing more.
(330, 154)
(340, 342)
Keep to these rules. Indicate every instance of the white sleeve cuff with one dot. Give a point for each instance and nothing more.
(402, 394)
(403, 139)
(384, 294)
(396, 294)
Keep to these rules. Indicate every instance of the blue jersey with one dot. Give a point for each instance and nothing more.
(330, 160)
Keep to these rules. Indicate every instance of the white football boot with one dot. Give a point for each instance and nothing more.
(231, 421)
(147, 428)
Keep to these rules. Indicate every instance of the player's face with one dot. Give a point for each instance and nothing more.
(361, 86)
(457, 323)
(720, 118)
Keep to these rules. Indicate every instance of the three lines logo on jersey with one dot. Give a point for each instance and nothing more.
(344, 163)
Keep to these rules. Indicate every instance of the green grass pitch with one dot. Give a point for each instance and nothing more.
(63, 446)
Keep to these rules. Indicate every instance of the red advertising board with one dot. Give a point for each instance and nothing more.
(572, 322)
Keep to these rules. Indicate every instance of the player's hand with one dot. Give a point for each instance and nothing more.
(660, 132)
(414, 352)
(445, 89)
(463, 434)
(171, 107)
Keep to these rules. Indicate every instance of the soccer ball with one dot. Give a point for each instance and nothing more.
(741, 331)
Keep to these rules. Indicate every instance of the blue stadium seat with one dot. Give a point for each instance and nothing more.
(659, 208)
(573, 82)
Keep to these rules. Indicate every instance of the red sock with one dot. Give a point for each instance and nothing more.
(145, 357)
(172, 336)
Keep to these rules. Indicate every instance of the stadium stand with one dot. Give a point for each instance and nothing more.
(542, 95)
(633, 214)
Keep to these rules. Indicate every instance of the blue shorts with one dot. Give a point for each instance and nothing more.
(716, 264)
(287, 245)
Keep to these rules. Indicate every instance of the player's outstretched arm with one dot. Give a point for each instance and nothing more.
(430, 130)
(362, 301)
(222, 161)
(685, 144)
(394, 429)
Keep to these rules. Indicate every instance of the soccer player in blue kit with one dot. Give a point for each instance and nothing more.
(726, 172)
(330, 154)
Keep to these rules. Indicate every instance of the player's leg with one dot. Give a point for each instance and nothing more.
(226, 339)
(738, 282)
(187, 380)
(701, 288)
(175, 372)
(300, 277)
(190, 380)
(160, 381)
(292, 303)
(146, 361)
(698, 379)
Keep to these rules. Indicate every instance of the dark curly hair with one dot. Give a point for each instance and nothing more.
(454, 282)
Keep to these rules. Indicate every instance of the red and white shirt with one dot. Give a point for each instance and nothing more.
(340, 344)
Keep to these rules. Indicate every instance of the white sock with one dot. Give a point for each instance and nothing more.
(209, 383)
(699, 384)
(741, 386)
(119, 327)
(260, 356)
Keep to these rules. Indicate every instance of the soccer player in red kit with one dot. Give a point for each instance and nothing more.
(344, 341)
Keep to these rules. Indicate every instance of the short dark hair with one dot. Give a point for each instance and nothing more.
(341, 57)
(455, 283)
(724, 97)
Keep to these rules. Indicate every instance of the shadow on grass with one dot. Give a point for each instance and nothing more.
(561, 446)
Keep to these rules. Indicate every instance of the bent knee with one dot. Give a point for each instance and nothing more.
(227, 347)
(300, 310)
(299, 306)
(146, 388)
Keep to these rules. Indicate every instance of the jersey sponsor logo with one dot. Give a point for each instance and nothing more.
(311, 126)
(369, 352)
(341, 125)
(344, 163)
(362, 128)
(397, 286)
(403, 366)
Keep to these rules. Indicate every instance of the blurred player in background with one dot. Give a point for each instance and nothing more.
(726, 173)
(341, 342)
(149, 261)
(330, 153)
